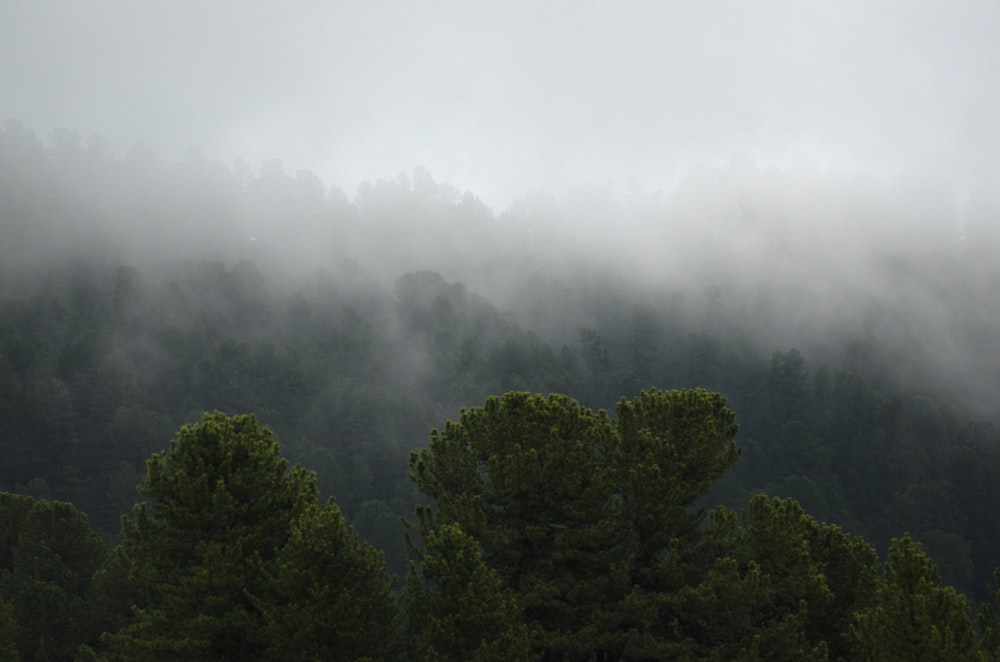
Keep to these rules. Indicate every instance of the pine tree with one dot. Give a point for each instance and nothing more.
(578, 515)
(988, 624)
(48, 559)
(457, 609)
(529, 478)
(220, 505)
(914, 618)
(8, 632)
(330, 597)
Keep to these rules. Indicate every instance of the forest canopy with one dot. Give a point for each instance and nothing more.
(563, 534)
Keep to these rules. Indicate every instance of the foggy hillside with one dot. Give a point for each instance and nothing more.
(744, 252)
(847, 318)
(803, 175)
(816, 258)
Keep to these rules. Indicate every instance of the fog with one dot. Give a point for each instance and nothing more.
(501, 98)
(809, 173)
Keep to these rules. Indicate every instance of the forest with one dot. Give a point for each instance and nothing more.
(750, 418)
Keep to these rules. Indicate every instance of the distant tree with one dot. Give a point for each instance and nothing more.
(785, 388)
(377, 523)
(596, 381)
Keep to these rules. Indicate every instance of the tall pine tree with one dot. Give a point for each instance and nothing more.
(231, 547)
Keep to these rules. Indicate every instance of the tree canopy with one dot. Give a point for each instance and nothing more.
(231, 544)
(578, 514)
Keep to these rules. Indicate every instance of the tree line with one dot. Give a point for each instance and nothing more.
(100, 364)
(549, 531)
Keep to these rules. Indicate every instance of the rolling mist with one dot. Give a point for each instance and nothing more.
(806, 257)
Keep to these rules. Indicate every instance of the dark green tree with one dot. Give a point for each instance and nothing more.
(673, 446)
(780, 586)
(914, 617)
(8, 632)
(529, 478)
(785, 390)
(48, 559)
(579, 515)
(220, 503)
(819, 577)
(330, 597)
(849, 564)
(457, 608)
(234, 560)
(989, 624)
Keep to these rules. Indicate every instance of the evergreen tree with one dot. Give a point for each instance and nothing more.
(8, 632)
(778, 587)
(989, 625)
(220, 505)
(457, 609)
(234, 559)
(674, 445)
(48, 558)
(580, 517)
(819, 577)
(330, 597)
(531, 479)
(913, 617)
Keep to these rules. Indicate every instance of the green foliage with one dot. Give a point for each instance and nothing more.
(849, 565)
(818, 574)
(50, 557)
(989, 624)
(330, 596)
(674, 445)
(233, 559)
(572, 510)
(221, 501)
(913, 617)
(525, 476)
(729, 615)
(8, 632)
(780, 586)
(457, 608)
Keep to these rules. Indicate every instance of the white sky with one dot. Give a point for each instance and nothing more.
(503, 97)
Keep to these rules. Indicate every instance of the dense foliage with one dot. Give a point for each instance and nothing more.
(576, 513)
(233, 558)
(555, 533)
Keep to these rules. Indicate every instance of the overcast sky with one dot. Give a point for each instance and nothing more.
(502, 97)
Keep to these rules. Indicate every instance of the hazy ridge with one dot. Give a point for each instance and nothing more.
(802, 257)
